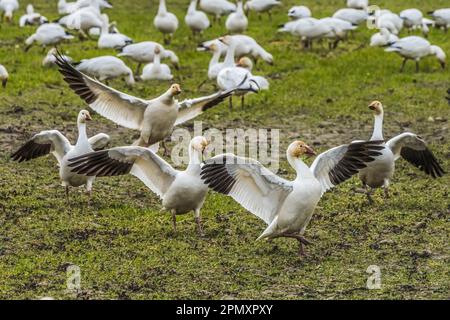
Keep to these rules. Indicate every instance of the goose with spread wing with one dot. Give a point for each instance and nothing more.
(287, 206)
(408, 146)
(180, 191)
(53, 141)
(154, 118)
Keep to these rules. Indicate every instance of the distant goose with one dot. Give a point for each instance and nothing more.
(310, 29)
(441, 17)
(354, 16)
(340, 29)
(412, 18)
(180, 191)
(217, 8)
(31, 18)
(387, 20)
(237, 22)
(4, 76)
(166, 22)
(260, 6)
(65, 7)
(144, 52)
(83, 20)
(156, 70)
(290, 26)
(50, 59)
(358, 4)
(382, 38)
(48, 34)
(415, 48)
(106, 68)
(7, 7)
(299, 12)
(286, 206)
(407, 145)
(111, 40)
(195, 19)
(55, 142)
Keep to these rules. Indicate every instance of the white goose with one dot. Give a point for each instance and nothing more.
(354, 16)
(47, 34)
(214, 66)
(166, 22)
(155, 118)
(144, 52)
(53, 141)
(83, 20)
(311, 29)
(415, 48)
(217, 8)
(387, 20)
(4, 76)
(237, 22)
(299, 12)
(156, 70)
(50, 59)
(382, 38)
(195, 19)
(286, 206)
(31, 18)
(106, 68)
(290, 26)
(358, 4)
(111, 40)
(407, 145)
(340, 29)
(441, 17)
(65, 7)
(260, 6)
(180, 191)
(7, 7)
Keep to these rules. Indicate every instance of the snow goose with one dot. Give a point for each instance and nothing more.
(214, 66)
(340, 29)
(144, 52)
(260, 6)
(8, 7)
(237, 21)
(290, 26)
(286, 206)
(156, 70)
(195, 19)
(415, 48)
(83, 20)
(217, 8)
(166, 22)
(50, 59)
(409, 146)
(309, 30)
(47, 34)
(354, 16)
(358, 4)
(441, 17)
(155, 118)
(65, 7)
(31, 18)
(4, 76)
(382, 38)
(387, 20)
(180, 191)
(53, 141)
(413, 19)
(111, 40)
(106, 68)
(299, 12)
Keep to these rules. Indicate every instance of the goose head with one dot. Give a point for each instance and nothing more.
(175, 89)
(83, 116)
(440, 55)
(227, 40)
(157, 50)
(245, 63)
(199, 144)
(376, 107)
(299, 149)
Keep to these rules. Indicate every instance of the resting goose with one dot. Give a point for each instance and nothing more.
(382, 38)
(166, 22)
(407, 145)
(144, 52)
(156, 70)
(105, 68)
(48, 34)
(195, 19)
(217, 8)
(260, 6)
(4, 76)
(441, 17)
(7, 7)
(53, 141)
(180, 191)
(50, 60)
(31, 18)
(415, 48)
(237, 21)
(299, 12)
(109, 40)
(155, 118)
(286, 206)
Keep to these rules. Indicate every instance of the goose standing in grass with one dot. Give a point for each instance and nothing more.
(237, 21)
(4, 76)
(144, 52)
(83, 20)
(415, 48)
(261, 6)
(310, 29)
(111, 40)
(48, 34)
(156, 70)
(286, 206)
(441, 17)
(299, 12)
(413, 20)
(382, 38)
(217, 8)
(290, 26)
(31, 18)
(180, 191)
(195, 19)
(50, 59)
(408, 146)
(340, 29)
(106, 68)
(358, 4)
(166, 22)
(53, 141)
(354, 16)
(7, 7)
(155, 118)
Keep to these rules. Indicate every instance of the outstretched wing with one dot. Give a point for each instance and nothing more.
(413, 149)
(41, 144)
(152, 170)
(248, 182)
(99, 141)
(341, 163)
(121, 108)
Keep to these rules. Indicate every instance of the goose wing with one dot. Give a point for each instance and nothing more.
(248, 182)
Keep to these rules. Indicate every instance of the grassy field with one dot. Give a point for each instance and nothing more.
(125, 246)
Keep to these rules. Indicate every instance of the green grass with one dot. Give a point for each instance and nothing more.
(125, 246)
